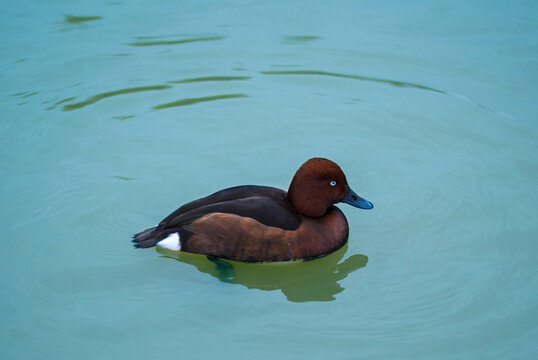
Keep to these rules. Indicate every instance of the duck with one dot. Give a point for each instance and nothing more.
(253, 223)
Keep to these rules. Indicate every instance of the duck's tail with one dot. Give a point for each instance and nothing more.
(166, 238)
(146, 238)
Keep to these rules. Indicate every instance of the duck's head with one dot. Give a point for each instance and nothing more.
(318, 184)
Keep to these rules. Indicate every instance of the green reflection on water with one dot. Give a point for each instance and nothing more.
(299, 281)
(299, 39)
(354, 77)
(122, 117)
(210, 78)
(70, 19)
(192, 101)
(65, 100)
(25, 94)
(108, 94)
(60, 102)
(124, 178)
(175, 42)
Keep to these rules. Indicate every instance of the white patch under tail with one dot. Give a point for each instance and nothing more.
(171, 242)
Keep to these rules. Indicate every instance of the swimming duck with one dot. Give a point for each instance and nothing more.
(261, 223)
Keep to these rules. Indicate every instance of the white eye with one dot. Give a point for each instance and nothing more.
(332, 183)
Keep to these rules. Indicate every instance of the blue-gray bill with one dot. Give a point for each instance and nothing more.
(353, 199)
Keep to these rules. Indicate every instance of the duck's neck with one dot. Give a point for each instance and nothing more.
(306, 204)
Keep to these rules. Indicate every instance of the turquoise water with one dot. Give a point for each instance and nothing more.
(114, 113)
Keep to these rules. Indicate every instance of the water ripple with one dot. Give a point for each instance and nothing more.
(299, 39)
(124, 178)
(210, 78)
(25, 94)
(192, 101)
(71, 19)
(61, 102)
(108, 94)
(125, 117)
(175, 42)
(354, 77)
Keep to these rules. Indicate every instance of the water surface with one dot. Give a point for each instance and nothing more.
(115, 113)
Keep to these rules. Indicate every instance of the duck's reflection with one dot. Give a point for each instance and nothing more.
(300, 281)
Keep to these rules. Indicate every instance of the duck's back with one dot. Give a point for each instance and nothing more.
(266, 204)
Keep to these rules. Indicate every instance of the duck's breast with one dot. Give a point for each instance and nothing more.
(323, 235)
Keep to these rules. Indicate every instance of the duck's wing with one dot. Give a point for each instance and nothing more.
(265, 210)
(227, 195)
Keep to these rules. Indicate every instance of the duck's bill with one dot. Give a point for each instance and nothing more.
(353, 199)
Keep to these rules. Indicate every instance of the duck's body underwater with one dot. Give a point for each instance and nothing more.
(263, 224)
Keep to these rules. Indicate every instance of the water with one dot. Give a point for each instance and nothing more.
(115, 113)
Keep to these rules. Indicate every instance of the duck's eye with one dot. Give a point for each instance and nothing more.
(332, 183)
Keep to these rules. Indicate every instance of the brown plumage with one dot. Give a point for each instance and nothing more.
(262, 224)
